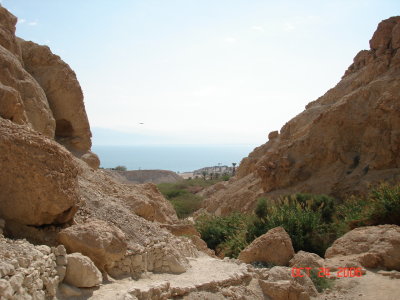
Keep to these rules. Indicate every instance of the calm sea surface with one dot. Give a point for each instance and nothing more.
(174, 158)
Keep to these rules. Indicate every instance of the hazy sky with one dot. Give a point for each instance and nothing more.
(201, 71)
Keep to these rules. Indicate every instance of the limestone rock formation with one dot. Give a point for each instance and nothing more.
(81, 271)
(279, 284)
(371, 246)
(22, 99)
(28, 271)
(63, 93)
(41, 91)
(344, 141)
(39, 182)
(305, 259)
(274, 247)
(102, 242)
(145, 176)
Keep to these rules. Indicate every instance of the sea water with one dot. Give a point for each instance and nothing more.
(174, 158)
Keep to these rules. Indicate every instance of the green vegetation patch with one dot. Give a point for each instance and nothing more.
(182, 194)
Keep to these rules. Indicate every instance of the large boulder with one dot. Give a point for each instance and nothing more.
(274, 247)
(81, 271)
(306, 259)
(63, 93)
(281, 285)
(102, 242)
(371, 246)
(39, 178)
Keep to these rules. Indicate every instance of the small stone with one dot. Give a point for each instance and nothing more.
(69, 291)
(6, 289)
(61, 260)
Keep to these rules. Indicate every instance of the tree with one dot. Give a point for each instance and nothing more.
(233, 169)
(204, 173)
(120, 168)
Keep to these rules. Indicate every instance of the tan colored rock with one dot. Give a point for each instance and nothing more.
(7, 32)
(81, 271)
(64, 95)
(102, 242)
(150, 204)
(23, 101)
(91, 159)
(273, 135)
(341, 143)
(181, 229)
(274, 247)
(305, 259)
(371, 246)
(283, 290)
(277, 274)
(40, 184)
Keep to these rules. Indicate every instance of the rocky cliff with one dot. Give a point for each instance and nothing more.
(342, 142)
(40, 90)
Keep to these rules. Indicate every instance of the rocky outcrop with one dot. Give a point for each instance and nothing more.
(102, 242)
(81, 271)
(64, 95)
(22, 99)
(145, 176)
(41, 91)
(305, 259)
(281, 285)
(344, 141)
(274, 247)
(39, 182)
(28, 271)
(371, 246)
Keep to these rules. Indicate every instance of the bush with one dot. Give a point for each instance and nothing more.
(226, 234)
(320, 283)
(182, 194)
(385, 205)
(185, 204)
(381, 206)
(304, 217)
(120, 168)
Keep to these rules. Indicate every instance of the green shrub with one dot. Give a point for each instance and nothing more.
(261, 210)
(385, 205)
(185, 204)
(224, 234)
(304, 217)
(320, 283)
(120, 168)
(381, 206)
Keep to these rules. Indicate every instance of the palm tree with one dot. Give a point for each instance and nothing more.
(234, 169)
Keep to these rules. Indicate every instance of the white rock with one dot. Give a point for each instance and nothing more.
(81, 271)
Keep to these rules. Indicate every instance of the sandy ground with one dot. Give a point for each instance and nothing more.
(204, 270)
(370, 286)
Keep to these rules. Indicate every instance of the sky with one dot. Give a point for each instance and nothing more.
(200, 71)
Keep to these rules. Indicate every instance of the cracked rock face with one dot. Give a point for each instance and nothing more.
(341, 143)
(64, 95)
(39, 183)
(274, 247)
(371, 246)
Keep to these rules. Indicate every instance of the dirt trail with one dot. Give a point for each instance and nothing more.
(205, 272)
(371, 286)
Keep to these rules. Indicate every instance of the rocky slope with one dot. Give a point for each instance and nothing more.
(40, 90)
(144, 176)
(70, 231)
(341, 143)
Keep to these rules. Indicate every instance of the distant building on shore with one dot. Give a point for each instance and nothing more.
(220, 170)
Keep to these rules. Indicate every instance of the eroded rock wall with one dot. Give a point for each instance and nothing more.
(344, 141)
(63, 93)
